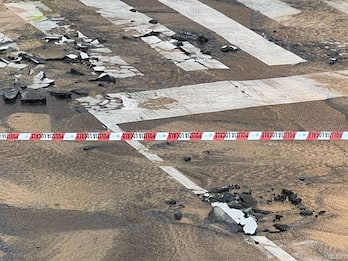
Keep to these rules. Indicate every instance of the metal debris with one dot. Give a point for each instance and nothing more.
(32, 97)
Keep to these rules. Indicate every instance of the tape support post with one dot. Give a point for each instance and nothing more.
(179, 136)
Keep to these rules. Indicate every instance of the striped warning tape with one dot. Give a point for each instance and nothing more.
(180, 136)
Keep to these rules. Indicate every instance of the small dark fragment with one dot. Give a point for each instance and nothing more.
(170, 201)
(221, 189)
(76, 72)
(247, 200)
(178, 215)
(281, 227)
(81, 91)
(295, 200)
(89, 148)
(227, 197)
(132, 10)
(301, 206)
(279, 198)
(278, 217)
(261, 211)
(153, 21)
(61, 94)
(32, 97)
(306, 212)
(187, 158)
(322, 212)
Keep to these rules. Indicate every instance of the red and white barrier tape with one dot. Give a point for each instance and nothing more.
(180, 136)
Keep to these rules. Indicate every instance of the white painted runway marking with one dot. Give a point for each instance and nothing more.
(139, 147)
(233, 32)
(118, 12)
(273, 248)
(212, 97)
(341, 5)
(274, 9)
(182, 179)
(31, 12)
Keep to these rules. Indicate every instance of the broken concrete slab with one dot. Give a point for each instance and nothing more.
(32, 97)
(61, 94)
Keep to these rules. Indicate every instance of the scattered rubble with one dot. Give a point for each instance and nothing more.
(158, 37)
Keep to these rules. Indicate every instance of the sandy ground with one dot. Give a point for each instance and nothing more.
(60, 202)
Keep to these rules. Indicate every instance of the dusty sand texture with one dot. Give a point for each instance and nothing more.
(61, 202)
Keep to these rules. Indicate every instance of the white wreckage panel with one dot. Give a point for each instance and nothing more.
(119, 13)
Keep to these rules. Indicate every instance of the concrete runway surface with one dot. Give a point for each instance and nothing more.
(160, 65)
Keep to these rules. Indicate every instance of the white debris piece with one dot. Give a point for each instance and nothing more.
(72, 56)
(249, 223)
(84, 56)
(41, 81)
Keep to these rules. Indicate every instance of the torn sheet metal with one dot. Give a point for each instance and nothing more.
(235, 33)
(139, 24)
(218, 96)
(32, 12)
(41, 81)
(274, 9)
